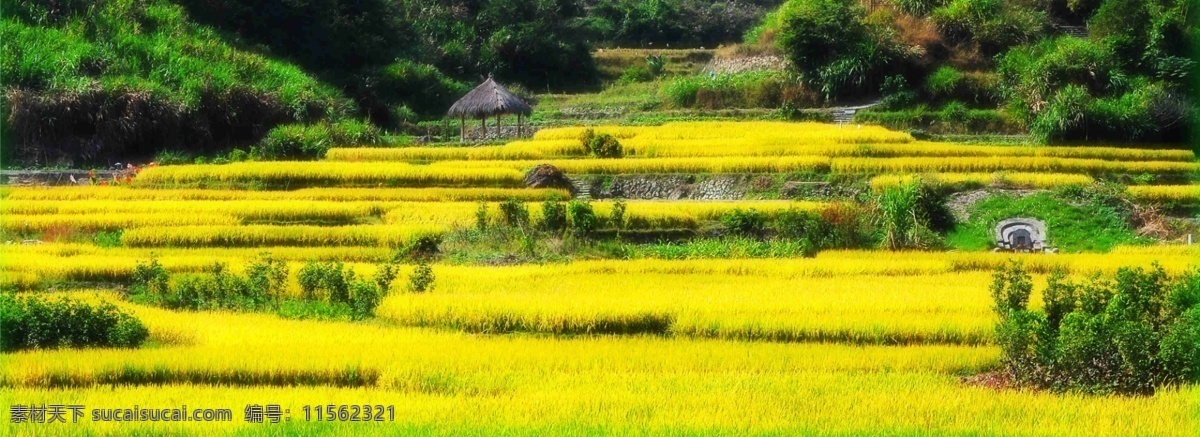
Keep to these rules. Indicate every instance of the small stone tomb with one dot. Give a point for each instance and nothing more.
(1021, 235)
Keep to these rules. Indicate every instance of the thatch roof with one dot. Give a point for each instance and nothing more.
(489, 99)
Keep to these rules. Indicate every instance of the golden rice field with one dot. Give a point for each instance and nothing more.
(846, 342)
(1166, 193)
(460, 383)
(1027, 180)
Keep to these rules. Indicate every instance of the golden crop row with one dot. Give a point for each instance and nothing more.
(766, 130)
(658, 165)
(431, 194)
(283, 173)
(841, 165)
(537, 385)
(108, 221)
(1166, 193)
(1018, 164)
(510, 151)
(638, 214)
(56, 261)
(509, 173)
(253, 210)
(748, 147)
(949, 308)
(1027, 180)
(269, 235)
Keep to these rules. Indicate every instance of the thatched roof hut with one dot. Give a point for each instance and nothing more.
(489, 99)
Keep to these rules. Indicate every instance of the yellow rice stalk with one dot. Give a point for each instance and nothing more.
(431, 194)
(1028, 180)
(284, 211)
(629, 385)
(1018, 164)
(638, 213)
(1166, 193)
(657, 165)
(330, 173)
(513, 150)
(267, 235)
(107, 221)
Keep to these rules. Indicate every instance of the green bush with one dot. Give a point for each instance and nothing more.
(401, 90)
(908, 214)
(605, 146)
(514, 213)
(261, 287)
(581, 216)
(617, 218)
(310, 142)
(754, 89)
(421, 279)
(943, 82)
(796, 225)
(326, 281)
(33, 322)
(832, 47)
(422, 246)
(336, 285)
(294, 141)
(481, 216)
(635, 74)
(995, 25)
(554, 215)
(1130, 337)
(750, 223)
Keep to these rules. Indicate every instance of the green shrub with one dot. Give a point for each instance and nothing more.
(514, 213)
(832, 47)
(403, 89)
(896, 92)
(326, 281)
(754, 89)
(796, 225)
(943, 82)
(309, 142)
(995, 25)
(1130, 336)
(421, 279)
(617, 218)
(635, 74)
(581, 216)
(150, 279)
(336, 285)
(481, 216)
(749, 223)
(907, 214)
(31, 322)
(605, 146)
(294, 141)
(554, 215)
(422, 246)
(918, 8)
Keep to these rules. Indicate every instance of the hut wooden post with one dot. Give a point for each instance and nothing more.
(518, 125)
(462, 129)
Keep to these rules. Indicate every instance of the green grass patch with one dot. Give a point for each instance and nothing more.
(1073, 225)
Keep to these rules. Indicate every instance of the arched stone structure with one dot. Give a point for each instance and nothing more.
(1021, 234)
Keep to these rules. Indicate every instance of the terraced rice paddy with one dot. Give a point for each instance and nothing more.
(847, 342)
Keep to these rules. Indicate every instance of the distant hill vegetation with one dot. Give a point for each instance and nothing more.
(93, 81)
(1073, 70)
